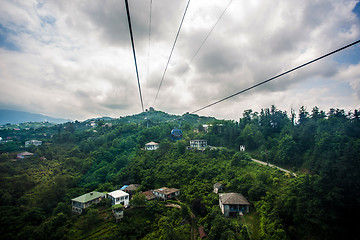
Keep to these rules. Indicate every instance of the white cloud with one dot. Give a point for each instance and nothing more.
(74, 58)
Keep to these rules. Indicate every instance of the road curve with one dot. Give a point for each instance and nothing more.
(272, 165)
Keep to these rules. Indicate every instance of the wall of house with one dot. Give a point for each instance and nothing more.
(124, 200)
(151, 147)
(221, 207)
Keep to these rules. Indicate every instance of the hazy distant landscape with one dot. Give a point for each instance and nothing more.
(14, 117)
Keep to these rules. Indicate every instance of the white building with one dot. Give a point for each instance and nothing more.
(119, 197)
(33, 142)
(206, 127)
(198, 143)
(218, 187)
(242, 148)
(151, 146)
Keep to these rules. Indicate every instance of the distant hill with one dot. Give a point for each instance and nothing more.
(159, 116)
(100, 119)
(14, 117)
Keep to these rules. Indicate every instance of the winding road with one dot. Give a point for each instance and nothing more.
(272, 165)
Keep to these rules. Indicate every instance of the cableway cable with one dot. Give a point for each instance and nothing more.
(167, 64)
(133, 48)
(207, 36)
(148, 66)
(277, 76)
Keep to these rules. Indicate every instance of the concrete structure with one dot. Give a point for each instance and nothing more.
(151, 146)
(119, 197)
(206, 127)
(166, 193)
(242, 148)
(218, 187)
(233, 204)
(198, 143)
(118, 212)
(86, 200)
(33, 142)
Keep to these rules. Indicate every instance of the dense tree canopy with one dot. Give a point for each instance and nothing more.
(75, 158)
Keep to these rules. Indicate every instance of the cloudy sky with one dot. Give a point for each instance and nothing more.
(73, 59)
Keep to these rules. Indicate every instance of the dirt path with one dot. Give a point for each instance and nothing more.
(173, 205)
(193, 234)
(193, 227)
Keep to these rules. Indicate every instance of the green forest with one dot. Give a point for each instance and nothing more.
(320, 202)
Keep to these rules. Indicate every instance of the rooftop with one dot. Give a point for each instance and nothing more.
(149, 195)
(233, 198)
(118, 193)
(26, 154)
(88, 197)
(152, 143)
(131, 187)
(217, 185)
(166, 190)
(202, 233)
(117, 206)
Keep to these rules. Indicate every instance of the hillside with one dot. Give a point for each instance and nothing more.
(14, 117)
(154, 117)
(320, 203)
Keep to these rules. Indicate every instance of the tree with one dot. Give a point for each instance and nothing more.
(303, 115)
(251, 137)
(286, 153)
(91, 218)
(138, 199)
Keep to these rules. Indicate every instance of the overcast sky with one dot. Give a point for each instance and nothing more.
(73, 59)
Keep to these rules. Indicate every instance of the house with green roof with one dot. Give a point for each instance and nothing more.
(86, 200)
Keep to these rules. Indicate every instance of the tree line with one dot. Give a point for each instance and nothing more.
(323, 148)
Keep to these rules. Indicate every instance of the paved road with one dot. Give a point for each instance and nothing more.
(272, 165)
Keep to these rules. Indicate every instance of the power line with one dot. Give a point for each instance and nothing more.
(133, 48)
(207, 36)
(167, 64)
(277, 76)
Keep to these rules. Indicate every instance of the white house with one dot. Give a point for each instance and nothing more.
(86, 200)
(218, 187)
(242, 148)
(233, 204)
(33, 142)
(119, 197)
(206, 127)
(166, 193)
(198, 143)
(151, 146)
